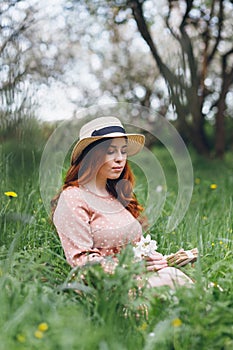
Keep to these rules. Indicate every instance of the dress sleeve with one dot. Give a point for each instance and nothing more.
(72, 221)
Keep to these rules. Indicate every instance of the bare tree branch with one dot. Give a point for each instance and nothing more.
(136, 7)
(187, 46)
(220, 26)
(175, 36)
(168, 19)
(16, 32)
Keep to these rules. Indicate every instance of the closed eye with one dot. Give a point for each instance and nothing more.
(112, 149)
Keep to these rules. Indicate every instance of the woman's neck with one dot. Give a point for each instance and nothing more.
(97, 187)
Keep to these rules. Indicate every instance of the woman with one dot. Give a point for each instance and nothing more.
(97, 213)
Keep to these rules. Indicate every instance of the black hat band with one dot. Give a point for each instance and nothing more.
(108, 130)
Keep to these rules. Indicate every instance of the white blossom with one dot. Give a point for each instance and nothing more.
(145, 247)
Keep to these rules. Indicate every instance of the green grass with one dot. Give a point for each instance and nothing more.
(37, 285)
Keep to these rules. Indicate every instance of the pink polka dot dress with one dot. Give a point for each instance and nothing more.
(92, 227)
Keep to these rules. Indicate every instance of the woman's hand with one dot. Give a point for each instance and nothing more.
(155, 262)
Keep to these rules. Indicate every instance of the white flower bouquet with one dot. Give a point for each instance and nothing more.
(145, 247)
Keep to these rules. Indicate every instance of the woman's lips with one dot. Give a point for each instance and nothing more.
(117, 168)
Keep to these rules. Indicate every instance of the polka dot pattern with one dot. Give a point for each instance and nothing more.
(91, 227)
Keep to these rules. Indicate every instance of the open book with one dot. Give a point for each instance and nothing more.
(182, 257)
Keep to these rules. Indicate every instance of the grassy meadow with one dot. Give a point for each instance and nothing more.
(40, 305)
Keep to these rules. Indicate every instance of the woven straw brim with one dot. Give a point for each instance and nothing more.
(135, 144)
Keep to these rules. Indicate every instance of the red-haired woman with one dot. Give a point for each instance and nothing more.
(97, 213)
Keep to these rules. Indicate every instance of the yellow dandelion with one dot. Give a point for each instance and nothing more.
(176, 322)
(213, 244)
(38, 334)
(43, 327)
(10, 194)
(213, 186)
(143, 326)
(21, 338)
(221, 242)
(197, 181)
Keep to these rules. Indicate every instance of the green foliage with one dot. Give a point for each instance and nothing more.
(89, 309)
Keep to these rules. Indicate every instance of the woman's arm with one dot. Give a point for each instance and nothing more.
(72, 221)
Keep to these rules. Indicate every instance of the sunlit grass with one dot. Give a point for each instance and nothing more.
(41, 309)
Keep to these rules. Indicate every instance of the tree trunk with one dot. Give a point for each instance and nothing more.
(227, 80)
(220, 131)
(220, 126)
(199, 140)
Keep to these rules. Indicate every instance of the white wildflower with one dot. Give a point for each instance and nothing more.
(145, 247)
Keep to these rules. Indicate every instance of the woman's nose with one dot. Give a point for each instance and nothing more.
(118, 156)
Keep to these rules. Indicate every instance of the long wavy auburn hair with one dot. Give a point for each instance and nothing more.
(86, 166)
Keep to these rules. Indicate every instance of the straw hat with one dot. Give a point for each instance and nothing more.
(104, 127)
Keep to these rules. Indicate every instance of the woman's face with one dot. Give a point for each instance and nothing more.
(115, 159)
